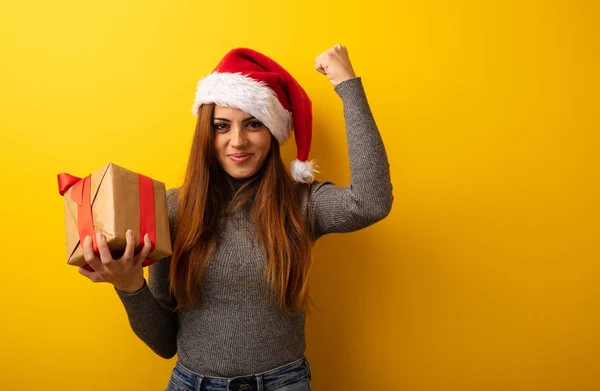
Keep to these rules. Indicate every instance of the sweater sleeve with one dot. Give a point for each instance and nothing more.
(368, 198)
(150, 309)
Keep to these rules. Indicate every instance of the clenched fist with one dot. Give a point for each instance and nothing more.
(335, 64)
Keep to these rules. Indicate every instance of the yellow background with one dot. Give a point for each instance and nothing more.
(485, 275)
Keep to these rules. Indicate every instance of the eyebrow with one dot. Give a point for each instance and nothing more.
(227, 120)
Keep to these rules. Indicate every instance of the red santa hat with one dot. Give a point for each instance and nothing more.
(256, 84)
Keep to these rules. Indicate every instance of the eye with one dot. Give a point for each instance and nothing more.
(255, 124)
(220, 127)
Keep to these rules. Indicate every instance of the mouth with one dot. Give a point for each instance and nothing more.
(240, 157)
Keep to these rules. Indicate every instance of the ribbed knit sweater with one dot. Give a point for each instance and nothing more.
(236, 330)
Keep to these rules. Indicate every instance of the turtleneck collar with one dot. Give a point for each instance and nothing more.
(238, 182)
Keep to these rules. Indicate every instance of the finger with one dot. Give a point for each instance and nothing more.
(145, 250)
(320, 69)
(340, 48)
(105, 254)
(130, 247)
(90, 256)
(93, 276)
(321, 56)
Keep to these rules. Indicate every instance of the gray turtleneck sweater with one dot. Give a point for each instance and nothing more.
(236, 331)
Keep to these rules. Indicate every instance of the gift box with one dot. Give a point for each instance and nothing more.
(111, 201)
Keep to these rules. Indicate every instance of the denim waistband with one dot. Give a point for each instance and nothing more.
(183, 379)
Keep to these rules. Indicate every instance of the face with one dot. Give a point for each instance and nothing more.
(242, 142)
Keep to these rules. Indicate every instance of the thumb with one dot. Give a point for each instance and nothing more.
(320, 68)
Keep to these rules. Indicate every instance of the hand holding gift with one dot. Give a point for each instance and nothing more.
(126, 273)
(116, 223)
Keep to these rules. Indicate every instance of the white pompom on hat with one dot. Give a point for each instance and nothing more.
(256, 84)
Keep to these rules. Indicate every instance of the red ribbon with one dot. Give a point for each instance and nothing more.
(81, 195)
(147, 220)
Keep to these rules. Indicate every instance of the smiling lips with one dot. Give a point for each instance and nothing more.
(239, 157)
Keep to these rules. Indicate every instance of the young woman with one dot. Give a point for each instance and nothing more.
(231, 301)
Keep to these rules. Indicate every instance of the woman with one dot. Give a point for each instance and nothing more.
(231, 300)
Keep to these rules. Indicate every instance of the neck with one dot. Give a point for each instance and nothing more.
(235, 185)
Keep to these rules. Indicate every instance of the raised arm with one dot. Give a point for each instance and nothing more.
(368, 198)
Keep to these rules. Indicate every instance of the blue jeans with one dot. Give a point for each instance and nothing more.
(294, 376)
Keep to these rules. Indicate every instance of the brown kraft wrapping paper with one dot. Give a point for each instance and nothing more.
(115, 208)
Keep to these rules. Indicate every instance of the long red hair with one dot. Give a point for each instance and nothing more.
(275, 209)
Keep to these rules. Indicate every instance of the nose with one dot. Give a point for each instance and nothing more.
(238, 137)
